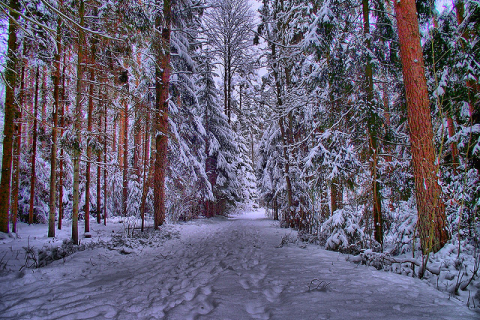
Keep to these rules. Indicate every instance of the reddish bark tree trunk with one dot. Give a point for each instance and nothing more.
(125, 160)
(162, 81)
(10, 107)
(105, 157)
(56, 106)
(137, 145)
(62, 154)
(78, 125)
(121, 139)
(99, 169)
(430, 206)
(88, 176)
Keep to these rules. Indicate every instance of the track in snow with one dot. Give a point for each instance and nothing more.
(220, 269)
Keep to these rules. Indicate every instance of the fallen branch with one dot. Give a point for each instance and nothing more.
(318, 285)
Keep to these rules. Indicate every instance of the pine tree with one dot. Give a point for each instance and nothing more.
(430, 206)
(10, 108)
(78, 123)
(162, 80)
(56, 107)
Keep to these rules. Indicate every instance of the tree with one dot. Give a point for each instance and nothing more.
(78, 123)
(10, 108)
(162, 80)
(221, 149)
(228, 27)
(431, 209)
(34, 149)
(372, 127)
(56, 108)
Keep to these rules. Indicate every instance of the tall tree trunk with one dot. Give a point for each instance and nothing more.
(34, 148)
(162, 80)
(17, 145)
(225, 90)
(289, 214)
(78, 125)
(229, 86)
(10, 107)
(333, 196)
(43, 99)
(121, 139)
(99, 166)
(105, 114)
(125, 159)
(145, 174)
(137, 146)
(430, 206)
(279, 105)
(62, 153)
(114, 138)
(56, 106)
(88, 174)
(252, 151)
(372, 125)
(275, 208)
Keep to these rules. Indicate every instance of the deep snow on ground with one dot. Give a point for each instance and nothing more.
(220, 268)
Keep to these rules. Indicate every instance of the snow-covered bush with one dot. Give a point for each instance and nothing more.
(342, 231)
(401, 233)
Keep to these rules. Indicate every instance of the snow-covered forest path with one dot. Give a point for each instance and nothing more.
(220, 269)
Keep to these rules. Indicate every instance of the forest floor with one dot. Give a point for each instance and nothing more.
(220, 268)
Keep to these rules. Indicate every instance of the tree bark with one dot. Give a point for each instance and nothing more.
(88, 174)
(125, 159)
(162, 80)
(34, 149)
(10, 107)
(275, 208)
(372, 128)
(62, 153)
(121, 139)
(229, 85)
(78, 126)
(431, 209)
(17, 145)
(56, 106)
(137, 146)
(99, 167)
(279, 105)
(105, 114)
(146, 171)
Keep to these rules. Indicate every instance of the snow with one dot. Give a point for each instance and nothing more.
(220, 268)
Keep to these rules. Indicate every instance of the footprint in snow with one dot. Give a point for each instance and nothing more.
(257, 310)
(244, 283)
(203, 303)
(273, 293)
(256, 278)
